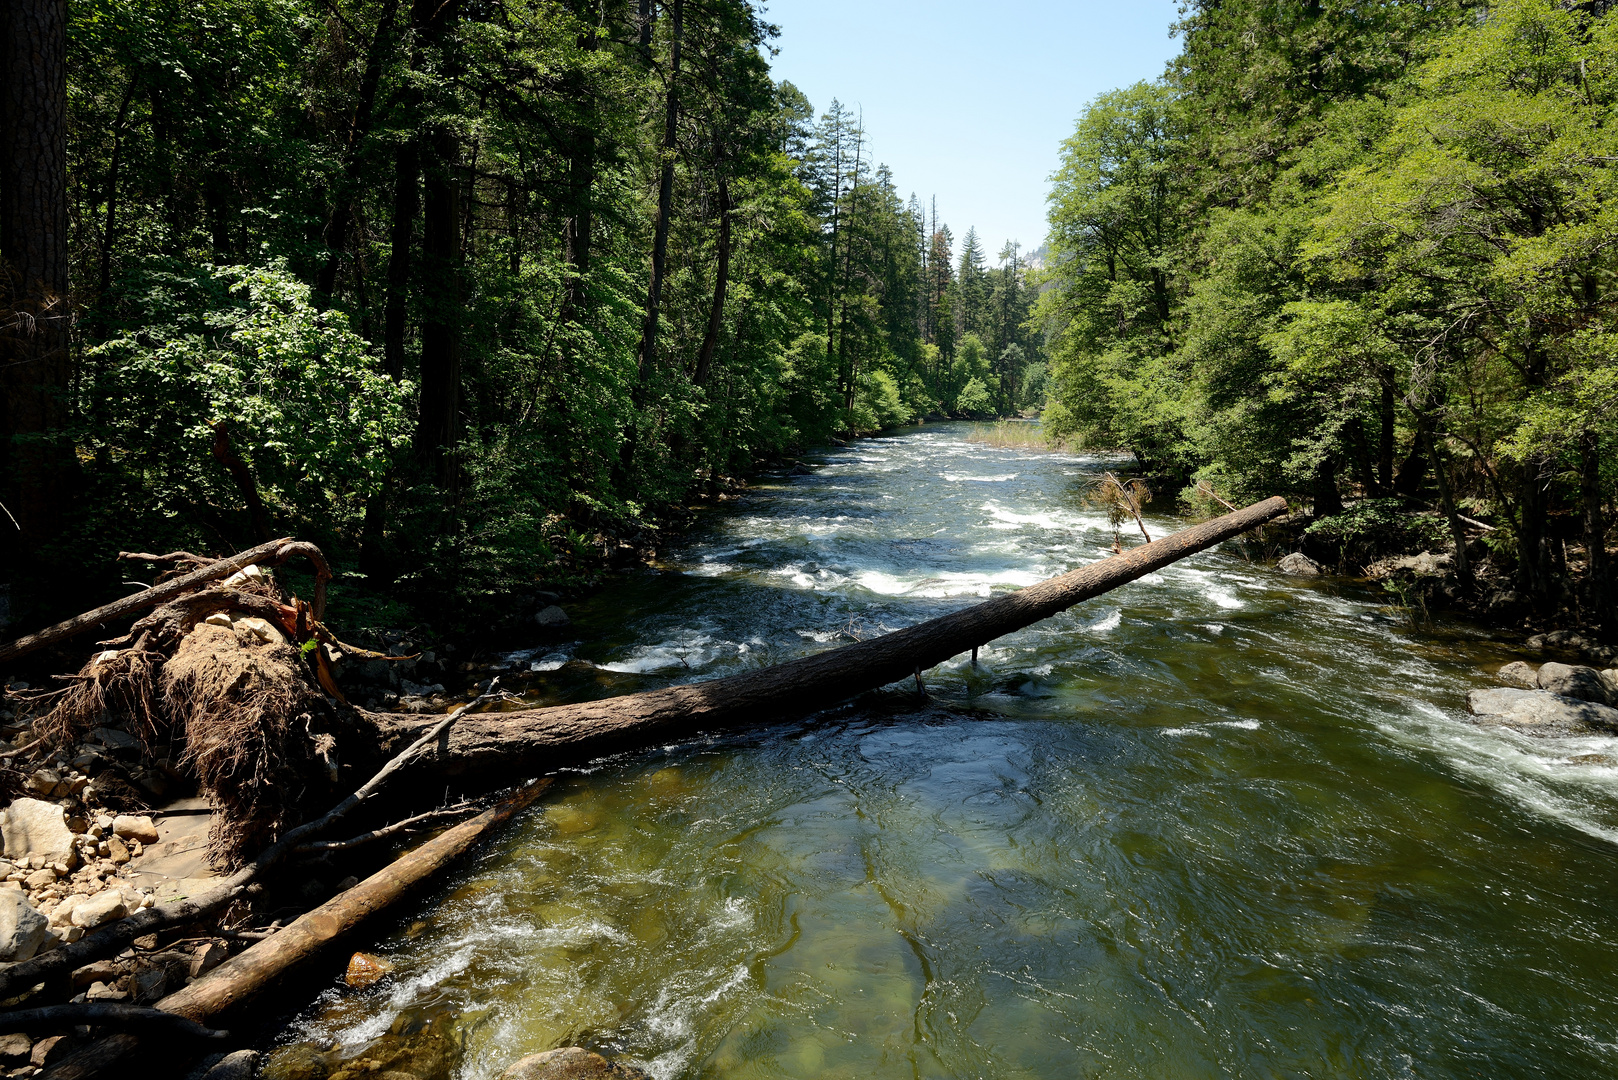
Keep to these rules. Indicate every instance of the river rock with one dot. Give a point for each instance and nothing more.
(571, 1063)
(1299, 564)
(366, 970)
(1520, 675)
(15, 1048)
(22, 928)
(1539, 712)
(50, 1051)
(33, 827)
(242, 1065)
(100, 908)
(1584, 683)
(297, 1061)
(552, 618)
(131, 827)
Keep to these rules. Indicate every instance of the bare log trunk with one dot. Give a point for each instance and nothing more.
(242, 976)
(544, 738)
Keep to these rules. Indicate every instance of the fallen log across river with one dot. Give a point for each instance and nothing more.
(533, 741)
(506, 743)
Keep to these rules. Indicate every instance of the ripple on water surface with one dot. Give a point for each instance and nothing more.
(1218, 823)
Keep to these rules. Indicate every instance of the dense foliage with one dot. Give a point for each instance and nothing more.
(1348, 250)
(467, 291)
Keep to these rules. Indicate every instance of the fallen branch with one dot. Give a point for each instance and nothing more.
(107, 1013)
(16, 978)
(322, 847)
(244, 975)
(542, 739)
(271, 554)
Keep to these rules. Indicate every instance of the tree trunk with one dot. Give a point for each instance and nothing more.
(1384, 448)
(1533, 562)
(1328, 500)
(1446, 495)
(716, 313)
(665, 196)
(36, 311)
(406, 204)
(504, 743)
(439, 407)
(342, 213)
(1598, 581)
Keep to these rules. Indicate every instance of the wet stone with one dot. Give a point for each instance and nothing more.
(571, 1063)
(366, 970)
(1584, 683)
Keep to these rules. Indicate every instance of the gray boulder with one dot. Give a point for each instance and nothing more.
(22, 928)
(1519, 674)
(35, 827)
(1299, 564)
(552, 618)
(1539, 712)
(1584, 683)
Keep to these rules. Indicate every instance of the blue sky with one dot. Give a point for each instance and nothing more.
(971, 101)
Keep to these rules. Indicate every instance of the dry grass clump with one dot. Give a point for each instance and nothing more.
(1012, 434)
(246, 707)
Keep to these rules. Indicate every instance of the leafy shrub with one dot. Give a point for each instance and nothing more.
(1377, 527)
(300, 395)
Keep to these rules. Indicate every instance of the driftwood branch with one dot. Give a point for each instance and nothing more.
(420, 821)
(240, 977)
(16, 978)
(108, 1013)
(542, 739)
(271, 554)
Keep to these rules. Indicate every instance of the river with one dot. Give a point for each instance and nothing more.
(1219, 823)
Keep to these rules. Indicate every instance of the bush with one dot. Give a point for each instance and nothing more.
(1376, 527)
(300, 395)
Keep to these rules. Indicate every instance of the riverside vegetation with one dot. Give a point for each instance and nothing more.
(1360, 254)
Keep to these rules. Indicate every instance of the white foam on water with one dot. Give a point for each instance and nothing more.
(959, 478)
(945, 584)
(550, 663)
(1537, 773)
(1101, 626)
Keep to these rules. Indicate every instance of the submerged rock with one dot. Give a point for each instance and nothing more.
(1539, 712)
(1299, 564)
(296, 1061)
(571, 1063)
(366, 970)
(1519, 674)
(1584, 683)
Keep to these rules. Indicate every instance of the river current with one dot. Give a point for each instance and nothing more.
(1218, 823)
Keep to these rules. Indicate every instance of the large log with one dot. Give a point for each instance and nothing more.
(540, 739)
(243, 976)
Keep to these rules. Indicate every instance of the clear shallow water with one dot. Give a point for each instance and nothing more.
(1218, 823)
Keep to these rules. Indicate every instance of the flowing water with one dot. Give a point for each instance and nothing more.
(1219, 823)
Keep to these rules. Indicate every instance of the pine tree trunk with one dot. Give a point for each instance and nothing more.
(665, 197)
(36, 309)
(716, 312)
(406, 205)
(439, 408)
(1598, 598)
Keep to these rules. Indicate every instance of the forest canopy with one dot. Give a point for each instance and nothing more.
(471, 292)
(1348, 251)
